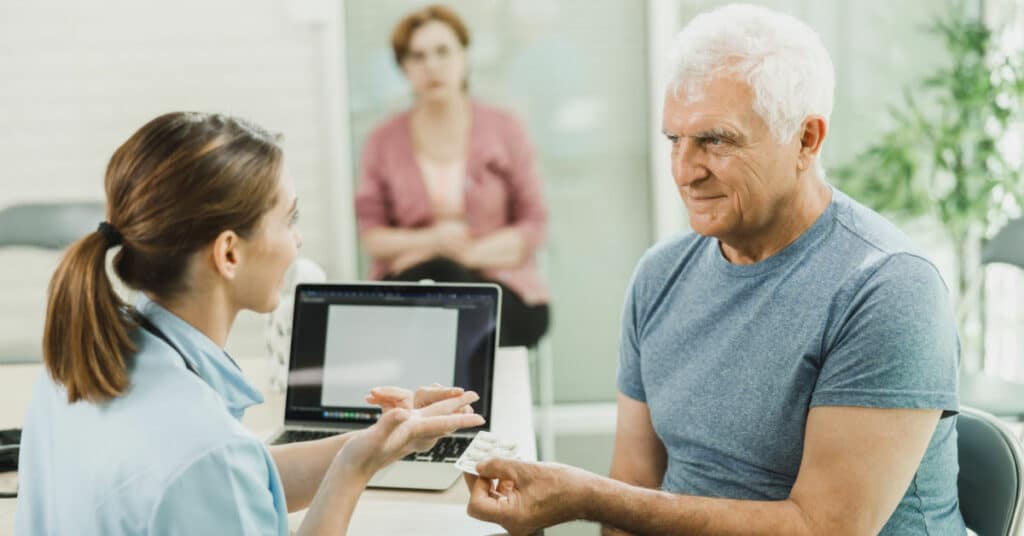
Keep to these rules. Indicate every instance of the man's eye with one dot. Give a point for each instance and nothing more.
(711, 140)
(673, 139)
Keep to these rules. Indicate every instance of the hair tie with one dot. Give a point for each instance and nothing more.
(112, 235)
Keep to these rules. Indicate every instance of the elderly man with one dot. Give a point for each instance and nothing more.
(790, 366)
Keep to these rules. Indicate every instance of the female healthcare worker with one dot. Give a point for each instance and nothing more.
(136, 428)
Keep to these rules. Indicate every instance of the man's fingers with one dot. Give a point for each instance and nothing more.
(470, 479)
(482, 503)
(449, 405)
(499, 468)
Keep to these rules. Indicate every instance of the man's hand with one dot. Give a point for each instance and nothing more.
(529, 496)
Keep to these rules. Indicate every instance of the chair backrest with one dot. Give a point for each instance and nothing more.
(48, 225)
(1007, 245)
(51, 226)
(991, 477)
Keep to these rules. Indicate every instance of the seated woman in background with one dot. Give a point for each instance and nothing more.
(135, 429)
(449, 189)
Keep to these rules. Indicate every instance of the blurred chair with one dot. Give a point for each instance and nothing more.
(542, 373)
(989, 393)
(544, 426)
(1007, 246)
(52, 226)
(991, 474)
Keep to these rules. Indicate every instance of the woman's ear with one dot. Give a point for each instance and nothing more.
(227, 254)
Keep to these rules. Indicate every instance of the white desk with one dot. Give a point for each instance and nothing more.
(379, 512)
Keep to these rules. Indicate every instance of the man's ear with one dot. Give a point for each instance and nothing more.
(226, 252)
(812, 135)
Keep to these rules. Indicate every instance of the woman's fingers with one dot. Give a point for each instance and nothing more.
(442, 425)
(389, 391)
(426, 396)
(390, 397)
(449, 405)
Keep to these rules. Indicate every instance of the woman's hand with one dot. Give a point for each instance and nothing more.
(389, 398)
(451, 238)
(402, 431)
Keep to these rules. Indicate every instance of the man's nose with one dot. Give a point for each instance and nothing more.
(687, 166)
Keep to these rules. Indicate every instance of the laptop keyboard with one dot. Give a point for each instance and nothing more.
(295, 436)
(446, 450)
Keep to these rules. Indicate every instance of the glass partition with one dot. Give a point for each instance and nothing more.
(575, 73)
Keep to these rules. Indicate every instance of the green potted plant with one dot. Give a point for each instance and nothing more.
(946, 156)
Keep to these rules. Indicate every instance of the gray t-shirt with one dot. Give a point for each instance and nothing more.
(730, 358)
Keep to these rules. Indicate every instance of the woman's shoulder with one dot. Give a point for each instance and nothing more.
(391, 126)
(495, 117)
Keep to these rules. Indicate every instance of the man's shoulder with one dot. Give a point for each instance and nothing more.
(878, 250)
(861, 224)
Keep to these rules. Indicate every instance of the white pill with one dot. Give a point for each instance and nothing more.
(483, 447)
(486, 436)
(507, 444)
(474, 454)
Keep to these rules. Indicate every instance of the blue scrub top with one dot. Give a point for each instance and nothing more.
(170, 456)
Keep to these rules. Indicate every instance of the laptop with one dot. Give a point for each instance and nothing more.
(350, 337)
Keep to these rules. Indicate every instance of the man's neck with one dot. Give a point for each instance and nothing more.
(794, 219)
(208, 312)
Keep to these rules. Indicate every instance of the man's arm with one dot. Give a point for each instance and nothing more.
(639, 457)
(857, 464)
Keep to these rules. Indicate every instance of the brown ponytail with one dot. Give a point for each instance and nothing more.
(86, 338)
(172, 188)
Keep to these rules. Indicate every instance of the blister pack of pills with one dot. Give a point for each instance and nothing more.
(485, 445)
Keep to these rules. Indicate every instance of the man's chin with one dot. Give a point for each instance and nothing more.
(704, 227)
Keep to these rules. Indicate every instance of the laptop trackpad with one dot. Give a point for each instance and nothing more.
(416, 475)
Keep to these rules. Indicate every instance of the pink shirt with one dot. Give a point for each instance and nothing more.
(502, 189)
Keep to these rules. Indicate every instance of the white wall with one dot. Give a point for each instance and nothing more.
(77, 78)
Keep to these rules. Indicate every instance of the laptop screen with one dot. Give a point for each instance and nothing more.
(349, 338)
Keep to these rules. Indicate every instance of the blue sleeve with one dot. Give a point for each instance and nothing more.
(233, 489)
(895, 345)
(630, 381)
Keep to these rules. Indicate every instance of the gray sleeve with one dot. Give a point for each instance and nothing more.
(629, 379)
(896, 343)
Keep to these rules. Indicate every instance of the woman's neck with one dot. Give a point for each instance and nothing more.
(443, 110)
(209, 312)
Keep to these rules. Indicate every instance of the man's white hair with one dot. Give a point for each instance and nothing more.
(782, 60)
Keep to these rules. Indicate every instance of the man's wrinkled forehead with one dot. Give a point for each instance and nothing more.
(724, 95)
